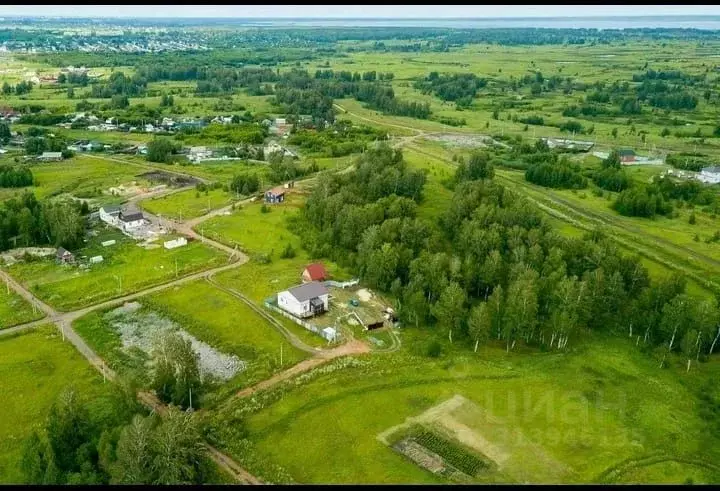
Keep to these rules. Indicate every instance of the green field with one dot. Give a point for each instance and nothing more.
(126, 268)
(187, 204)
(15, 310)
(32, 379)
(83, 176)
(255, 231)
(607, 409)
(214, 317)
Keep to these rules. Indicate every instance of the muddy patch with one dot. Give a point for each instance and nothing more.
(139, 329)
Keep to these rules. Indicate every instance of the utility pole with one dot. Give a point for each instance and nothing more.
(176, 268)
(281, 353)
(7, 285)
(190, 397)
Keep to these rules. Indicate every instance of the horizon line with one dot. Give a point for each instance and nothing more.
(641, 16)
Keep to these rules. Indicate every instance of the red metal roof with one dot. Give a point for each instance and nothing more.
(316, 271)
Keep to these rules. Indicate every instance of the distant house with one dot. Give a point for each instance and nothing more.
(131, 220)
(571, 145)
(626, 155)
(197, 154)
(314, 272)
(275, 148)
(172, 244)
(110, 214)
(305, 300)
(63, 256)
(50, 156)
(275, 195)
(710, 175)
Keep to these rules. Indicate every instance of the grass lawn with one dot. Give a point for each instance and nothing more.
(15, 310)
(126, 268)
(587, 410)
(32, 379)
(255, 231)
(187, 204)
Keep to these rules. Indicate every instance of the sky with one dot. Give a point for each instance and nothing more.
(355, 11)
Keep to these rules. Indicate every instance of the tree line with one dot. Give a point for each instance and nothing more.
(24, 221)
(15, 177)
(491, 267)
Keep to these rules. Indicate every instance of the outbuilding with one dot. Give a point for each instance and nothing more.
(314, 272)
(63, 256)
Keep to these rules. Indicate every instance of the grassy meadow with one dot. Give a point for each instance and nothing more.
(32, 379)
(127, 268)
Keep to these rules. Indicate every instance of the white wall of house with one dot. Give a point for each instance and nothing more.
(289, 303)
(132, 225)
(108, 218)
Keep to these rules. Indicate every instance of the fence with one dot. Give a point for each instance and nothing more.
(342, 284)
(270, 303)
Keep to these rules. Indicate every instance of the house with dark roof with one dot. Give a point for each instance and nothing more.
(626, 155)
(305, 300)
(131, 220)
(63, 256)
(275, 195)
(314, 272)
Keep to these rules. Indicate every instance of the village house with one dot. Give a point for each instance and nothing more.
(197, 154)
(131, 220)
(50, 156)
(305, 300)
(274, 147)
(572, 145)
(275, 195)
(626, 155)
(63, 256)
(110, 214)
(314, 272)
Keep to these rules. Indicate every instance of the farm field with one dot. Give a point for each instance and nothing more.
(605, 411)
(32, 379)
(126, 268)
(15, 310)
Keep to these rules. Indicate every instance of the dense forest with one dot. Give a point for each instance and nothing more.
(24, 221)
(492, 266)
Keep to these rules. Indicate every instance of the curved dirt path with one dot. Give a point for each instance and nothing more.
(354, 347)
